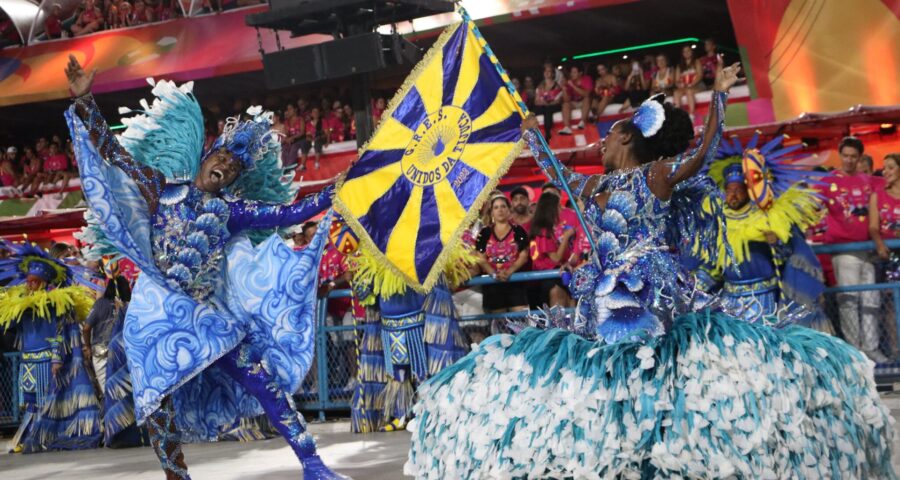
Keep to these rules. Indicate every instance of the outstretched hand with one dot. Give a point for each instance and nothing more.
(530, 122)
(79, 81)
(727, 77)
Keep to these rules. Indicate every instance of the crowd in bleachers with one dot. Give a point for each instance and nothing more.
(618, 86)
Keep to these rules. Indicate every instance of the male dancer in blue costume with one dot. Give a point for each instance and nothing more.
(46, 307)
(217, 329)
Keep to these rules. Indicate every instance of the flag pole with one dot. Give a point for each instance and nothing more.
(523, 110)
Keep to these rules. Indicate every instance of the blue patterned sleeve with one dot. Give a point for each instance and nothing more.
(578, 182)
(689, 163)
(254, 215)
(149, 180)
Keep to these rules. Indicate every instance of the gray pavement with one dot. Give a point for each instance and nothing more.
(370, 457)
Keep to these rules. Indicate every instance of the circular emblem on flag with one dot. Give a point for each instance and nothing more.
(436, 146)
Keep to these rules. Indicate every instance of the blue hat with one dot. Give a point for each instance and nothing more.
(41, 268)
(734, 173)
(246, 140)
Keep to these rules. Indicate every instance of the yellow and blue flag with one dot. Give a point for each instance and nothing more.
(447, 137)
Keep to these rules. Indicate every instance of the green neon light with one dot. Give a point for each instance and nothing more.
(636, 47)
(117, 127)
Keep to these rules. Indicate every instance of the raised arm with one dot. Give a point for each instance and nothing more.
(253, 215)
(687, 165)
(150, 181)
(581, 185)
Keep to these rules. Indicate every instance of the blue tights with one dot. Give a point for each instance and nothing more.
(245, 368)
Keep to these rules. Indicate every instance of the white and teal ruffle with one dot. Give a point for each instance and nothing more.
(714, 397)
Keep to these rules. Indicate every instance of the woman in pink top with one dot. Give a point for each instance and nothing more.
(548, 98)
(550, 244)
(90, 20)
(57, 167)
(884, 207)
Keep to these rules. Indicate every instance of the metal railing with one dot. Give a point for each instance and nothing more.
(328, 386)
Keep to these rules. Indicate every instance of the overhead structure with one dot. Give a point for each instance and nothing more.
(22, 14)
(357, 49)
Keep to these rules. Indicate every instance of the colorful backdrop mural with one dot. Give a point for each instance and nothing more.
(184, 49)
(819, 55)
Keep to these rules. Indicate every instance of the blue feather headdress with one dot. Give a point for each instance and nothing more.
(168, 135)
(784, 167)
(650, 116)
(29, 259)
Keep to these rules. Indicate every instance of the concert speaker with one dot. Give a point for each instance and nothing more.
(368, 52)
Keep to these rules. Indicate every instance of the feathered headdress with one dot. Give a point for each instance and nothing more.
(28, 259)
(168, 135)
(650, 116)
(767, 172)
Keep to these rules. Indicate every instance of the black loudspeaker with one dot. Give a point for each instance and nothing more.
(364, 53)
(296, 66)
(349, 56)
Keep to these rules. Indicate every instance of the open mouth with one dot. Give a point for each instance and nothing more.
(217, 175)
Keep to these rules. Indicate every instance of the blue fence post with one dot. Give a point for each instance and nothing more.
(896, 292)
(322, 356)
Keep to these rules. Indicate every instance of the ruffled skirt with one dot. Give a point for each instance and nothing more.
(714, 397)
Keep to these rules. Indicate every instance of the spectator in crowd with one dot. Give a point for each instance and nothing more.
(517, 84)
(315, 139)
(529, 89)
(334, 122)
(378, 110)
(303, 108)
(279, 127)
(56, 167)
(295, 133)
(607, 89)
(549, 247)
(53, 23)
(90, 20)
(32, 172)
(309, 231)
(42, 148)
(847, 194)
(141, 14)
(520, 201)
(566, 215)
(113, 16)
(637, 87)
(688, 74)
(165, 10)
(8, 176)
(711, 63)
(884, 208)
(548, 99)
(576, 94)
(349, 123)
(866, 165)
(664, 78)
(503, 249)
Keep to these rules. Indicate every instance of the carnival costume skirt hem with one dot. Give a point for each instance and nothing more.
(714, 397)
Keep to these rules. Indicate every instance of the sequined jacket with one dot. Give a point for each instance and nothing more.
(191, 228)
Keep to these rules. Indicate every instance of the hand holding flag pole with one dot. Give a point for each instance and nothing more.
(523, 110)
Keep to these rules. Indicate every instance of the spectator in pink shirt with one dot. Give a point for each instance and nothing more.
(576, 94)
(847, 193)
(57, 167)
(549, 247)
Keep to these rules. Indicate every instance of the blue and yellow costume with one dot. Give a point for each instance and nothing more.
(405, 339)
(61, 412)
(218, 329)
(776, 283)
(665, 388)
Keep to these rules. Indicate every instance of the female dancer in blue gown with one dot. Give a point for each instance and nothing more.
(664, 387)
(217, 329)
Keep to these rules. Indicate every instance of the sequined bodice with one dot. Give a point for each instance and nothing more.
(189, 236)
(633, 214)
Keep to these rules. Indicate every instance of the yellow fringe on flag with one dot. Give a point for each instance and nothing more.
(385, 281)
(15, 301)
